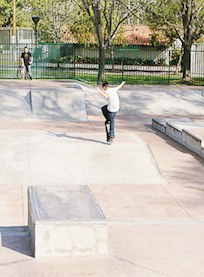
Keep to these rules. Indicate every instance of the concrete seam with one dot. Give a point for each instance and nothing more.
(156, 222)
(141, 266)
(85, 177)
(178, 204)
(28, 155)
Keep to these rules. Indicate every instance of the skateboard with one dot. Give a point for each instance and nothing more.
(21, 69)
(107, 128)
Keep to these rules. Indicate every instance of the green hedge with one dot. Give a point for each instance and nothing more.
(117, 61)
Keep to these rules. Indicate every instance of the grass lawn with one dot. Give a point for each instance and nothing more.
(130, 79)
(113, 78)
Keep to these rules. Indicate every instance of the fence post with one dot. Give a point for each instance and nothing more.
(122, 64)
(36, 72)
(169, 68)
(74, 52)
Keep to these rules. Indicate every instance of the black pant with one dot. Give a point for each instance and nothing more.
(109, 116)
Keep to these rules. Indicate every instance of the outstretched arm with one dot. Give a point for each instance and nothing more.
(103, 93)
(120, 86)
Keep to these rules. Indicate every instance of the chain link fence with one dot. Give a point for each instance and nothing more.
(134, 64)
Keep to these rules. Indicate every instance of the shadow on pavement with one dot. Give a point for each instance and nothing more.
(64, 135)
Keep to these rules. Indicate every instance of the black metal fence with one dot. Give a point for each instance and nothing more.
(134, 64)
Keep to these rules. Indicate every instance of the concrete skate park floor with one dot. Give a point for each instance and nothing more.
(155, 222)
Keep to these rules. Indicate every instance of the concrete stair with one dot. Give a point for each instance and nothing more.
(189, 133)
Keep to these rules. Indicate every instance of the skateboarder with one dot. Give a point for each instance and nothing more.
(27, 59)
(109, 111)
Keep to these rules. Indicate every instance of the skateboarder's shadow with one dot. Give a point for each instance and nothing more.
(64, 135)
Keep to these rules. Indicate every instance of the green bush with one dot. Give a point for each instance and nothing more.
(160, 62)
(175, 57)
(117, 61)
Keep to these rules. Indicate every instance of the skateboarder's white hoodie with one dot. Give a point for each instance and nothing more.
(112, 96)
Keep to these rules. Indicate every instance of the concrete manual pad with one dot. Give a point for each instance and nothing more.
(65, 221)
(49, 158)
(64, 203)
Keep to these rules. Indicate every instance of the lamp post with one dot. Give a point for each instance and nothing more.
(36, 20)
(14, 22)
(13, 37)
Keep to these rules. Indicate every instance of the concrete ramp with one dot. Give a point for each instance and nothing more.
(127, 161)
(64, 104)
(13, 104)
(49, 158)
(50, 101)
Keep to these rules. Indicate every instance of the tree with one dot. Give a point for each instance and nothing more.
(54, 16)
(81, 28)
(106, 16)
(179, 19)
(6, 13)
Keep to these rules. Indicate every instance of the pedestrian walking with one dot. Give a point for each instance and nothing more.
(27, 60)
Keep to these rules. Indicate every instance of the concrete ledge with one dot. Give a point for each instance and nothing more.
(159, 124)
(173, 131)
(202, 152)
(191, 141)
(177, 130)
(65, 221)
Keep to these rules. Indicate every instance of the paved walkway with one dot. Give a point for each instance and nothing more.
(155, 222)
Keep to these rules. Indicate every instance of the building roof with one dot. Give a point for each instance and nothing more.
(141, 35)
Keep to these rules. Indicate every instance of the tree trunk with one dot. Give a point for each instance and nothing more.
(112, 58)
(101, 65)
(178, 65)
(187, 62)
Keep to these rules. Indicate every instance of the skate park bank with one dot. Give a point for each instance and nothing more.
(153, 209)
